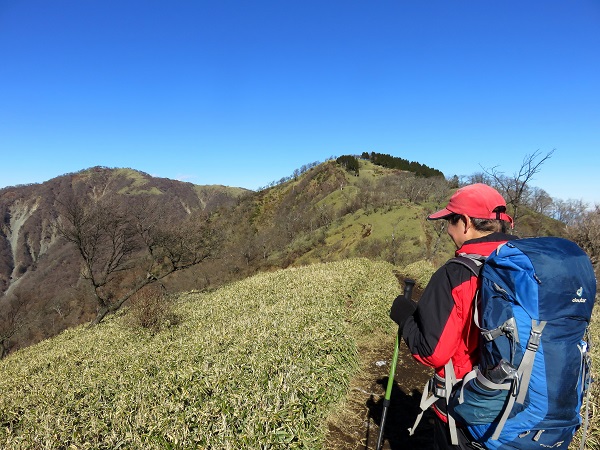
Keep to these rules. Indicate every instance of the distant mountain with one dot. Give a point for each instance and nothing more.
(41, 270)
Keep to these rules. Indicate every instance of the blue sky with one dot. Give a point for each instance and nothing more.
(241, 93)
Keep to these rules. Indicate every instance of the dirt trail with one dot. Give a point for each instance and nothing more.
(358, 426)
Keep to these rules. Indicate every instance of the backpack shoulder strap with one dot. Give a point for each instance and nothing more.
(474, 263)
(470, 261)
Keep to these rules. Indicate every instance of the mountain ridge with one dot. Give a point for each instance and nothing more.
(323, 213)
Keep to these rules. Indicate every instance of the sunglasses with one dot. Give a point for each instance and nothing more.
(454, 218)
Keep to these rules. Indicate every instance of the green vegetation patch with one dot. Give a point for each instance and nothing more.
(212, 189)
(391, 227)
(368, 171)
(257, 364)
(138, 191)
(138, 182)
(139, 178)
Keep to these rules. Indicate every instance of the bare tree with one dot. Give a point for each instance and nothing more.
(540, 201)
(514, 188)
(13, 317)
(586, 232)
(417, 189)
(435, 241)
(123, 249)
(571, 212)
(478, 177)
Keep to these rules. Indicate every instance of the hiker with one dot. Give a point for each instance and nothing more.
(440, 328)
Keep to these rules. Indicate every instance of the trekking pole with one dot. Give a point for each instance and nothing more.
(408, 287)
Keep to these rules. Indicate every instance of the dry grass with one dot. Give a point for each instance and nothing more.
(593, 409)
(258, 364)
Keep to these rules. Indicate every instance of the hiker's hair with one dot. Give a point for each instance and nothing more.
(492, 225)
(484, 225)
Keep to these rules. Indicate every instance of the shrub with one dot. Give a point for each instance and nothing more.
(153, 310)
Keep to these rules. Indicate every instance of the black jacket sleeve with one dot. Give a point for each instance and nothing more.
(402, 309)
(433, 332)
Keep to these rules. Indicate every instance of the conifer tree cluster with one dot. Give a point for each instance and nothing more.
(349, 162)
(393, 162)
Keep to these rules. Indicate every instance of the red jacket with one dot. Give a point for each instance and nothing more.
(442, 326)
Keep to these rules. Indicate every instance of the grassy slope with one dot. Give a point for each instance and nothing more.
(260, 362)
(402, 226)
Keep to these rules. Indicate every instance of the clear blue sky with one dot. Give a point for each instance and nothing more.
(241, 93)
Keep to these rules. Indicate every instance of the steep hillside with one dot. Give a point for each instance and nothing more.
(39, 272)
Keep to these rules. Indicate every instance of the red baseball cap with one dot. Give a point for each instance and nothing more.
(478, 201)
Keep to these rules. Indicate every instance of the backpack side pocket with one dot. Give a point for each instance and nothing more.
(479, 405)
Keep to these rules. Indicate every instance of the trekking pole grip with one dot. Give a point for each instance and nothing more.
(408, 287)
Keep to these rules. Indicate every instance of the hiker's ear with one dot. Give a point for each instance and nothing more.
(466, 223)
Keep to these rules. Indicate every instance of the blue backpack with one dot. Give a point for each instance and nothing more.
(534, 306)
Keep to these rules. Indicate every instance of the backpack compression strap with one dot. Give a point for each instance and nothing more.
(523, 374)
(526, 366)
(586, 379)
